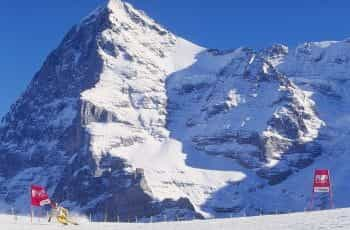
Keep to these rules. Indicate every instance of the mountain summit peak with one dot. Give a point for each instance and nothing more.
(114, 4)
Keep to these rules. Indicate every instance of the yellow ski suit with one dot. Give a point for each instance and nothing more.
(62, 215)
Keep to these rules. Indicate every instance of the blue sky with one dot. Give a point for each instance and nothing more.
(29, 30)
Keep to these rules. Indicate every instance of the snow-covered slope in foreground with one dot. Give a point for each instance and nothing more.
(331, 219)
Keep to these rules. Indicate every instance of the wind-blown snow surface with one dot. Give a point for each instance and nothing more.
(128, 119)
(331, 219)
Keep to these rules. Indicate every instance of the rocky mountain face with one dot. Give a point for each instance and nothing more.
(125, 119)
(46, 138)
(254, 114)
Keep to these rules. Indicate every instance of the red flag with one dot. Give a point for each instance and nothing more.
(321, 181)
(39, 196)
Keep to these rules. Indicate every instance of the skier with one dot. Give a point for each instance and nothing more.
(61, 214)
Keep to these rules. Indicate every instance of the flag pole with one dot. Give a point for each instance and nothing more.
(312, 200)
(30, 205)
(331, 191)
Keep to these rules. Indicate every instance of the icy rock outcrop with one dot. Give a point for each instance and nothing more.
(256, 115)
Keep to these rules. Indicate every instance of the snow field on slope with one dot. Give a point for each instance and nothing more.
(331, 219)
(167, 171)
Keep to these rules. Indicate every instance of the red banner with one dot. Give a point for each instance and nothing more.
(39, 197)
(322, 181)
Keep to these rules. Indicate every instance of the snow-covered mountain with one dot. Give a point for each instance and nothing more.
(127, 119)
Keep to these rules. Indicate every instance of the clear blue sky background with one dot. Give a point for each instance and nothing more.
(30, 29)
